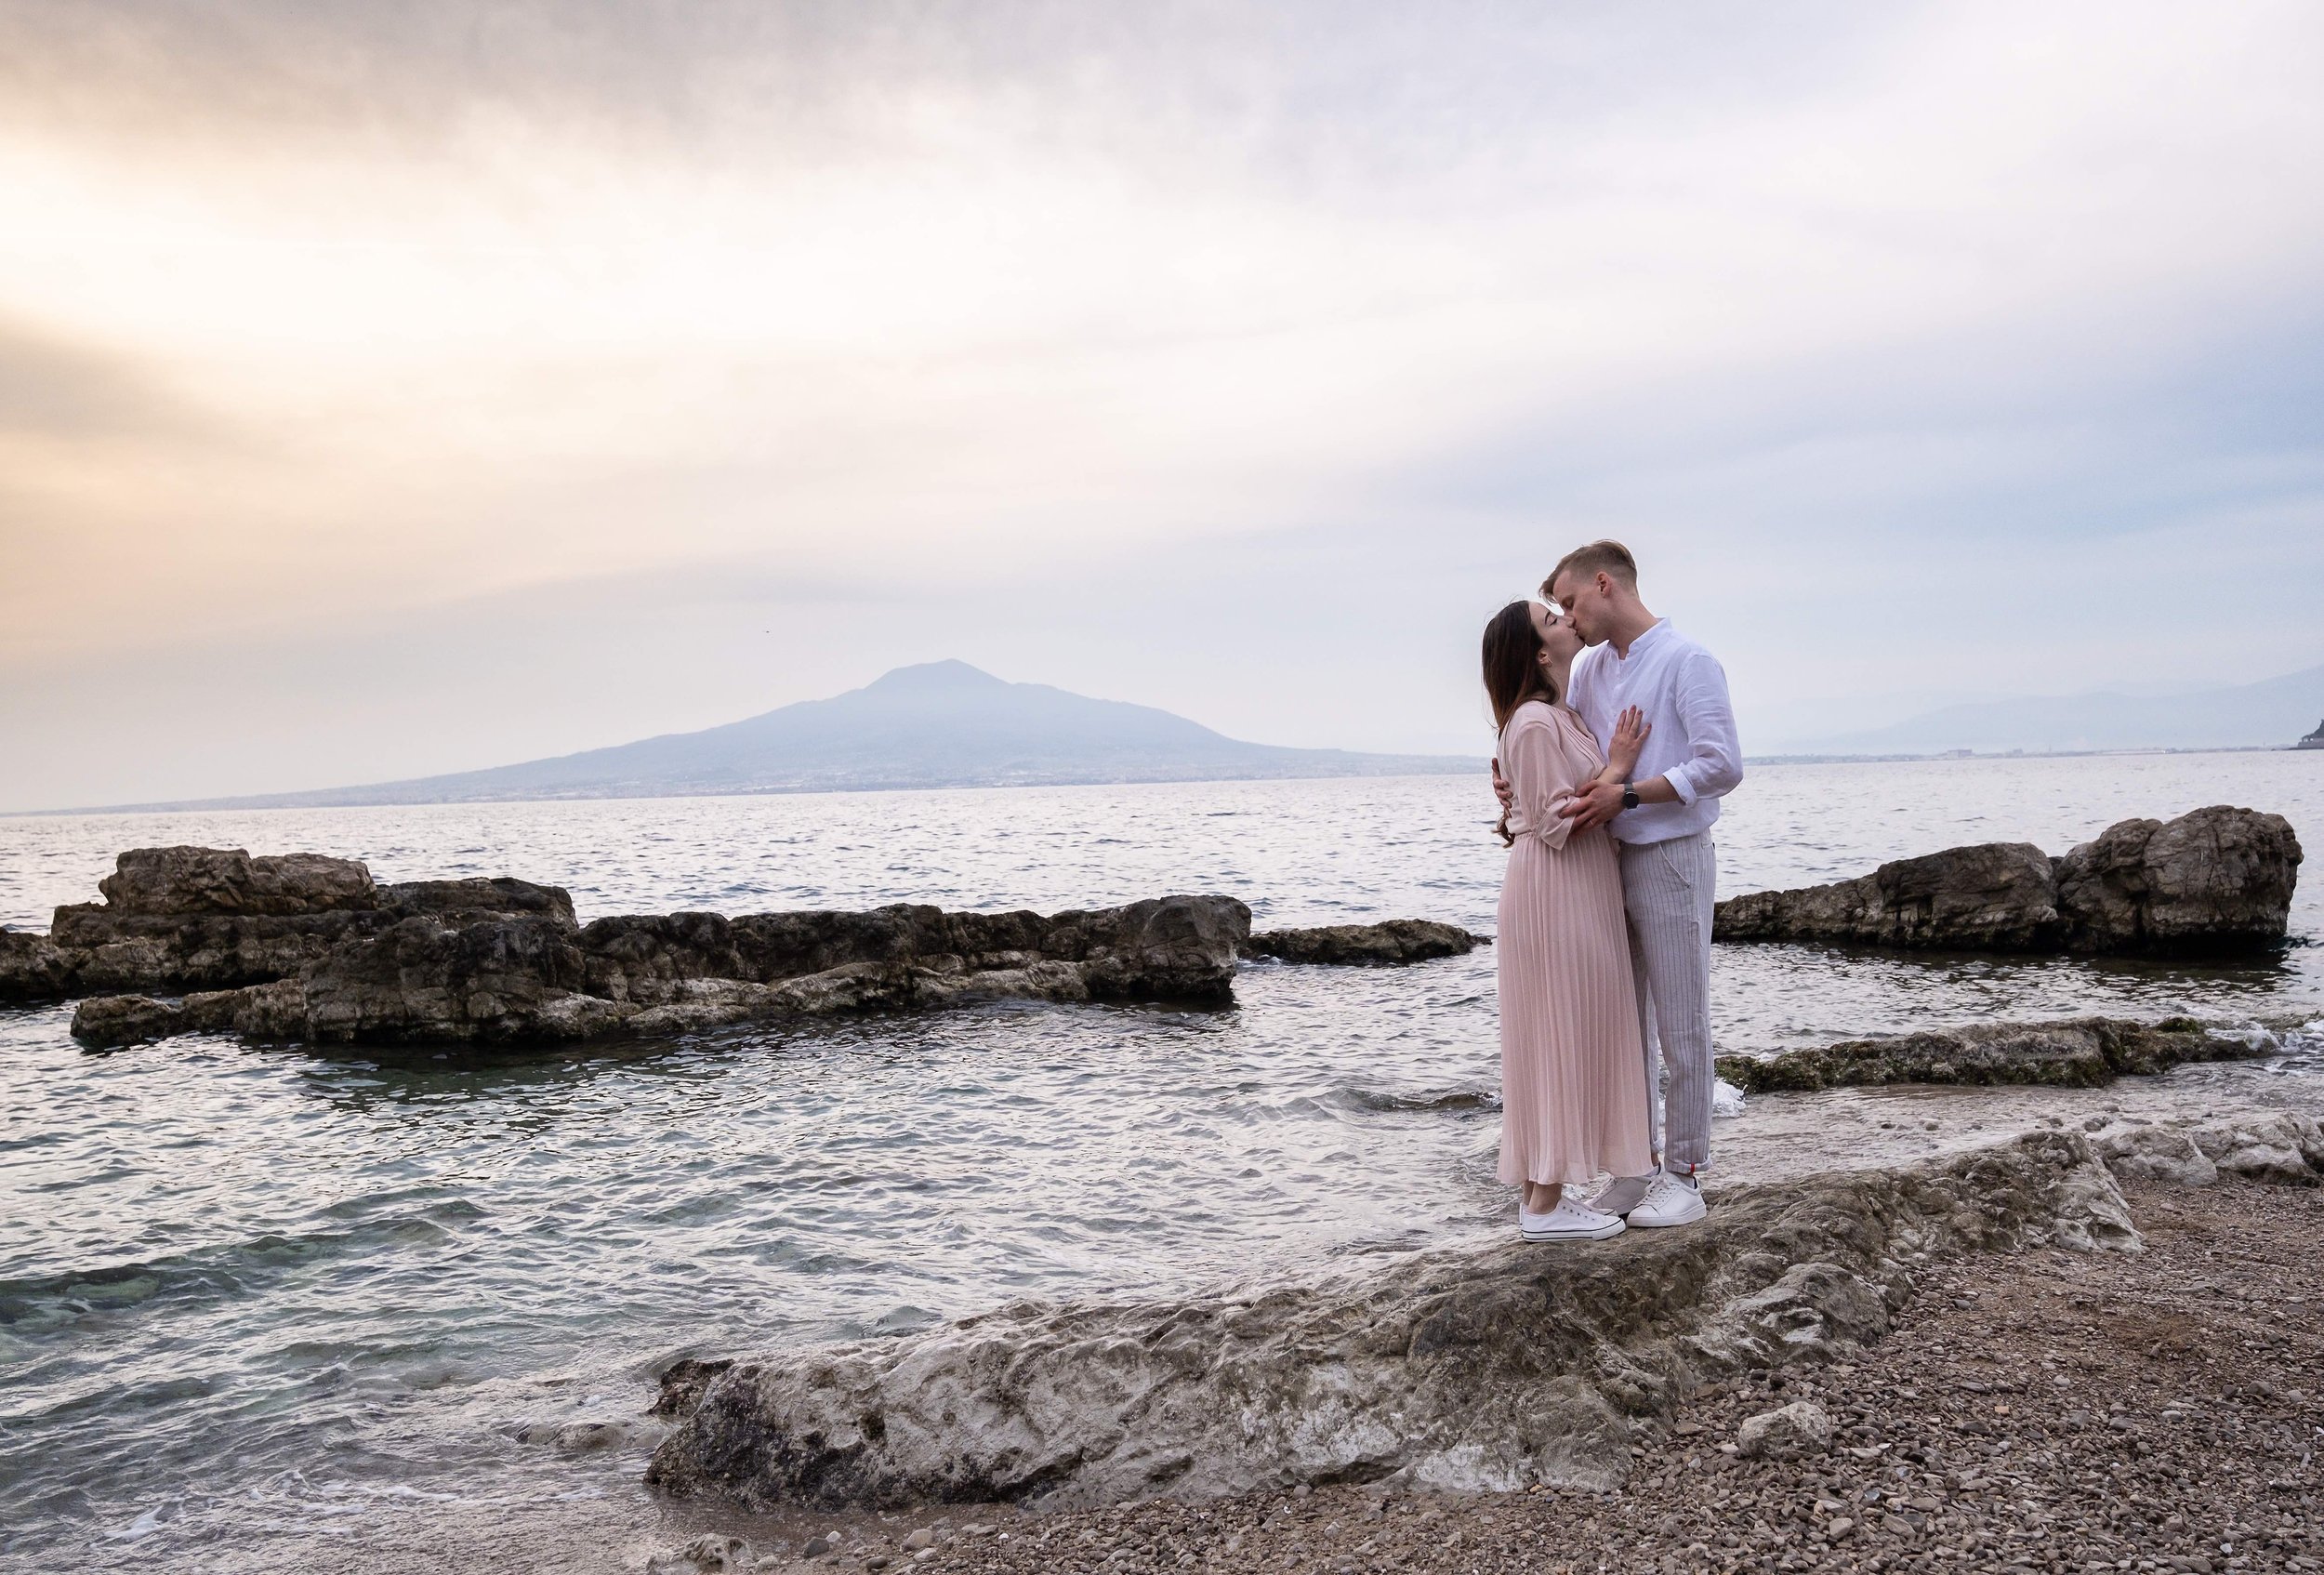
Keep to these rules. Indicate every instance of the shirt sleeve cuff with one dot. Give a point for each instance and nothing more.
(1680, 786)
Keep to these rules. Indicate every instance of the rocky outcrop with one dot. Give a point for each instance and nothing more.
(2214, 881)
(1487, 1368)
(307, 948)
(454, 975)
(228, 881)
(1395, 940)
(208, 918)
(2217, 880)
(2076, 1052)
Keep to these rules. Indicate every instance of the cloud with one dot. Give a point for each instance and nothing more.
(1304, 332)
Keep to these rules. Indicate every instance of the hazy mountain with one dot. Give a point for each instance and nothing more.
(943, 724)
(2278, 711)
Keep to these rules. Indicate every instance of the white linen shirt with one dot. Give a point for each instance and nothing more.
(1683, 690)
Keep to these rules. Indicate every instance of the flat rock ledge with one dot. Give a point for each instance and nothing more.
(2215, 882)
(309, 950)
(1489, 1369)
(2076, 1052)
(1395, 940)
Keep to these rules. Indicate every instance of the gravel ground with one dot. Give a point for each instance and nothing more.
(2050, 1410)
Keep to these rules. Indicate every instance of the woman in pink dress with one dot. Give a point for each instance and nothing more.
(1573, 1086)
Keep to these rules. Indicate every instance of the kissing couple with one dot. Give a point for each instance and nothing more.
(1616, 742)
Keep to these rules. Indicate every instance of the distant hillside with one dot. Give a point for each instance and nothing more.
(943, 724)
(2278, 711)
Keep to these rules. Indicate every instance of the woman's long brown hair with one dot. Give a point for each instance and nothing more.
(1512, 663)
(1512, 674)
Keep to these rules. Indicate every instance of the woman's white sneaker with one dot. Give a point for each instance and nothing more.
(1568, 1222)
(1668, 1201)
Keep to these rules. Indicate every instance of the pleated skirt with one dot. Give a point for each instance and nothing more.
(1572, 1071)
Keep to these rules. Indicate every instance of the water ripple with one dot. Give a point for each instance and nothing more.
(245, 1290)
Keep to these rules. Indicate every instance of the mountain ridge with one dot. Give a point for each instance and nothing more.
(933, 724)
(2269, 713)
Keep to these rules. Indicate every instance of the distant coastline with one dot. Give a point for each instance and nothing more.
(1427, 765)
(2024, 754)
(1422, 765)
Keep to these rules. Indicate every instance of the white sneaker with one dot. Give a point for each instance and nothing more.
(1668, 1201)
(1568, 1222)
(1621, 1193)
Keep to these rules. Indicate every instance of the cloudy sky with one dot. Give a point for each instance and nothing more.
(393, 388)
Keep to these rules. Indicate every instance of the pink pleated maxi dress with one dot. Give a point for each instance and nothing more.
(1573, 1078)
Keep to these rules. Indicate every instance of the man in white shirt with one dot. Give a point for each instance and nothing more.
(1661, 822)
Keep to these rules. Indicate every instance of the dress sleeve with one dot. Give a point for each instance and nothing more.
(1537, 770)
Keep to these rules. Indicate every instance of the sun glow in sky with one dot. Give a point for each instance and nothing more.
(394, 390)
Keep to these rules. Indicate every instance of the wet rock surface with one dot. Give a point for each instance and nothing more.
(2077, 1052)
(1496, 1368)
(1395, 940)
(503, 961)
(2044, 1411)
(2216, 881)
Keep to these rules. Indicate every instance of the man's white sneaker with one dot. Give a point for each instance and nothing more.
(1668, 1201)
(1621, 1193)
(1568, 1222)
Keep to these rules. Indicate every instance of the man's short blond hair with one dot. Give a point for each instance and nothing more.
(1610, 558)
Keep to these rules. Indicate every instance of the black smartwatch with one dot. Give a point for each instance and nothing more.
(1629, 796)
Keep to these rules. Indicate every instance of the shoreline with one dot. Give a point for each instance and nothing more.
(2041, 1411)
(1779, 1139)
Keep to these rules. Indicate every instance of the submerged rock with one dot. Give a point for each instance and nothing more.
(2215, 880)
(2076, 1052)
(1494, 1368)
(709, 1553)
(1397, 940)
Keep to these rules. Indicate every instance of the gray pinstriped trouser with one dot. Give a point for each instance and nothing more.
(1668, 889)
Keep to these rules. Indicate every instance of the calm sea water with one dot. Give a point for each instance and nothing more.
(245, 1294)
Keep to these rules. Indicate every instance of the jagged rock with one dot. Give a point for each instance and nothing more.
(183, 881)
(2076, 1052)
(206, 919)
(2282, 1146)
(460, 902)
(1993, 896)
(2146, 1152)
(107, 1021)
(1397, 940)
(537, 979)
(1786, 1433)
(681, 1385)
(1492, 1367)
(32, 968)
(2215, 880)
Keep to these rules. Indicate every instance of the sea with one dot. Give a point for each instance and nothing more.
(254, 1302)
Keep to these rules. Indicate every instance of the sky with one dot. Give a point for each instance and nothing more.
(392, 389)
